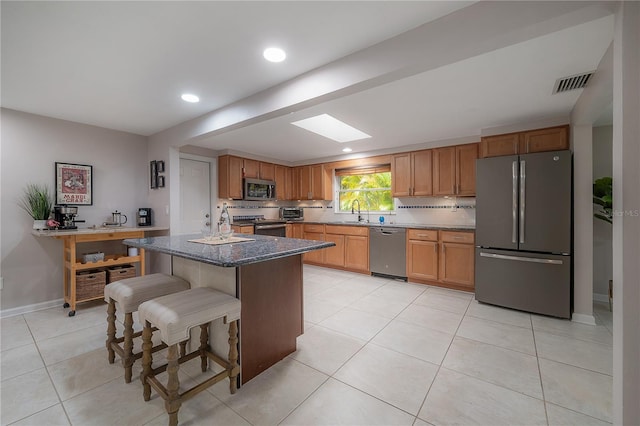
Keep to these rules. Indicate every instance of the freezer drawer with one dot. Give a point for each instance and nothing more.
(529, 282)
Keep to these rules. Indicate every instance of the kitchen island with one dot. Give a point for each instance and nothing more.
(264, 272)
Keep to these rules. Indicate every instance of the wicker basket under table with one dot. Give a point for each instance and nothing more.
(120, 272)
(90, 284)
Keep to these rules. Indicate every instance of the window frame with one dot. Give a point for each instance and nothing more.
(363, 207)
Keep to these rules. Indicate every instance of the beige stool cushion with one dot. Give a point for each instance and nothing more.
(175, 314)
(131, 292)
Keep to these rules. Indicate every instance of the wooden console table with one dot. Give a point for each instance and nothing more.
(71, 264)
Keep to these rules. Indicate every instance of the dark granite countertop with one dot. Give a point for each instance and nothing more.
(263, 248)
(394, 225)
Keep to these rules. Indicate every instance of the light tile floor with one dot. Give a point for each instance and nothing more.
(374, 352)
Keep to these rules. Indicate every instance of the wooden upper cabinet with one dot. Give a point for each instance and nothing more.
(251, 169)
(305, 183)
(454, 170)
(444, 171)
(540, 140)
(551, 139)
(315, 182)
(421, 173)
(499, 145)
(258, 170)
(401, 175)
(267, 171)
(230, 177)
(296, 192)
(466, 156)
(283, 185)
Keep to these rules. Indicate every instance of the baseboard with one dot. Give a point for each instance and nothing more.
(583, 319)
(604, 298)
(5, 313)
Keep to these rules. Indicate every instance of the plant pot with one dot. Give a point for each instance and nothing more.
(39, 224)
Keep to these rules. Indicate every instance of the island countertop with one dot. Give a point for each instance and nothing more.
(260, 249)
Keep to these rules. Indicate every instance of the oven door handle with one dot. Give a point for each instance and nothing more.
(275, 226)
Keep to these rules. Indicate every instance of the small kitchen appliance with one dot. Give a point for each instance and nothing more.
(291, 213)
(144, 217)
(116, 219)
(65, 216)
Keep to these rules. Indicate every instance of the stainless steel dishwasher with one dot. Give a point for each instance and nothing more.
(387, 252)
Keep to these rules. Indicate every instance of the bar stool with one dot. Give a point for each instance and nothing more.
(128, 294)
(174, 315)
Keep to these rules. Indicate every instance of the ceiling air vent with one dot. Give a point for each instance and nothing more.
(572, 82)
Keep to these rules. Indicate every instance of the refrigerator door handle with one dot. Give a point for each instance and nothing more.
(514, 202)
(523, 177)
(521, 259)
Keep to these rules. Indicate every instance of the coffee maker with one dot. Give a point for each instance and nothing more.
(65, 216)
(144, 217)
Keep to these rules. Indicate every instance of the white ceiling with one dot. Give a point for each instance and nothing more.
(124, 65)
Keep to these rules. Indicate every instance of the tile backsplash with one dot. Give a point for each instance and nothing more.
(419, 210)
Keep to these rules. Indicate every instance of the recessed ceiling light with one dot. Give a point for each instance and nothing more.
(347, 150)
(188, 97)
(274, 54)
(332, 128)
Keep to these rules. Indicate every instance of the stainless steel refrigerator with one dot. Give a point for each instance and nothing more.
(524, 232)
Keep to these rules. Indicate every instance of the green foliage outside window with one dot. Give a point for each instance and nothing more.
(372, 190)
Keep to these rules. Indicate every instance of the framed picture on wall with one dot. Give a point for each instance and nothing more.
(160, 181)
(74, 184)
(153, 170)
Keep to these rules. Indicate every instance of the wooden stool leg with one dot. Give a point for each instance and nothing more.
(183, 348)
(233, 356)
(146, 360)
(204, 344)
(173, 402)
(127, 360)
(111, 330)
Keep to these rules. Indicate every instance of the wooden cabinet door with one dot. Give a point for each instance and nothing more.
(251, 168)
(422, 260)
(466, 156)
(499, 145)
(422, 175)
(267, 171)
(401, 175)
(457, 264)
(305, 183)
(334, 256)
(551, 139)
(444, 171)
(230, 177)
(320, 183)
(282, 186)
(357, 253)
(316, 256)
(289, 184)
(298, 231)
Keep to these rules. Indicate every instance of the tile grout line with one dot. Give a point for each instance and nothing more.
(535, 347)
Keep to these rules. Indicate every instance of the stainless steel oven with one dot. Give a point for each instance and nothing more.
(278, 229)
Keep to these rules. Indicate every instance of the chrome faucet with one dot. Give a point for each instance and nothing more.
(352, 209)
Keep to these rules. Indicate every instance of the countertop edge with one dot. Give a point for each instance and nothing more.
(391, 225)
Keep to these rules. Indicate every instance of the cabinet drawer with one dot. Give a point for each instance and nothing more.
(347, 230)
(457, 237)
(422, 234)
(84, 238)
(314, 228)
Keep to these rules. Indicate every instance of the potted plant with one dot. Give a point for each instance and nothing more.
(603, 196)
(38, 202)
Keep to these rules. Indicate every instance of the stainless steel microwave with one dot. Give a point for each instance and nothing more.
(259, 190)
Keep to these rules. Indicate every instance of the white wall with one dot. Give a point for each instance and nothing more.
(602, 231)
(31, 144)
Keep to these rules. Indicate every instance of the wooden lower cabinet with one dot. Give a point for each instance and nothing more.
(351, 251)
(442, 258)
(334, 256)
(242, 229)
(356, 253)
(456, 264)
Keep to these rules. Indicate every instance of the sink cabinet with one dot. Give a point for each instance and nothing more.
(351, 251)
(314, 232)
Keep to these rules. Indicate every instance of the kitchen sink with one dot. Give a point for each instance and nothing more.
(349, 222)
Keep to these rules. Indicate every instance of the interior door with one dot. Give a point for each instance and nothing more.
(497, 202)
(195, 196)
